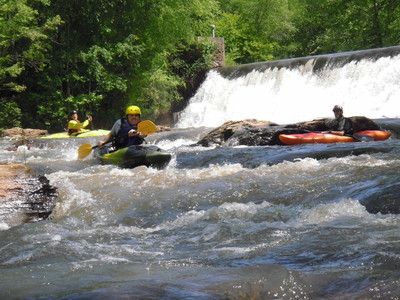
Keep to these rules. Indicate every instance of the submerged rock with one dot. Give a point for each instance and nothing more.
(384, 200)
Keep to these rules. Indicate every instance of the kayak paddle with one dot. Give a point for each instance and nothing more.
(147, 127)
(84, 150)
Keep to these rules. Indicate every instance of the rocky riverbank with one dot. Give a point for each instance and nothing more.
(23, 196)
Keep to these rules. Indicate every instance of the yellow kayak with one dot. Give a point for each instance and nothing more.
(65, 135)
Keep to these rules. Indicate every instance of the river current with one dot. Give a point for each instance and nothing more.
(275, 222)
(226, 222)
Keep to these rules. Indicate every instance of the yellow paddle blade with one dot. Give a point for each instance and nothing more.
(84, 150)
(147, 127)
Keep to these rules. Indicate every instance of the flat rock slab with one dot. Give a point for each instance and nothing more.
(9, 173)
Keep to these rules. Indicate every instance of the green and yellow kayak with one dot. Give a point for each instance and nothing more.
(65, 135)
(134, 156)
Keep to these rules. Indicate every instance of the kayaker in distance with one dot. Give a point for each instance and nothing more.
(124, 131)
(75, 126)
(339, 125)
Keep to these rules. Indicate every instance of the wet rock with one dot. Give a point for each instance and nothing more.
(224, 132)
(253, 136)
(23, 196)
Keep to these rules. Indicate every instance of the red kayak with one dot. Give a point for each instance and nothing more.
(324, 138)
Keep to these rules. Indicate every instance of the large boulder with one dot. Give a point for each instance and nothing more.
(224, 132)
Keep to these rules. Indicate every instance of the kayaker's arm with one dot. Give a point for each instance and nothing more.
(76, 125)
(86, 123)
(106, 140)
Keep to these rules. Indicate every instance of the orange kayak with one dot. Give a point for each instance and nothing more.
(325, 138)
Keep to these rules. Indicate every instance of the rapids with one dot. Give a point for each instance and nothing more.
(274, 222)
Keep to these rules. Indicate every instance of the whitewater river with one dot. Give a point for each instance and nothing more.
(275, 222)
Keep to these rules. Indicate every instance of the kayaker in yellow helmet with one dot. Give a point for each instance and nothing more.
(124, 131)
(339, 125)
(75, 127)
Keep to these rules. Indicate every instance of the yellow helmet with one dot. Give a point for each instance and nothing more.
(133, 110)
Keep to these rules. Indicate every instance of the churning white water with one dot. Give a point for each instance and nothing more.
(368, 88)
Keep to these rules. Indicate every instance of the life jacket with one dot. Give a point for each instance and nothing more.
(122, 139)
(73, 131)
(342, 124)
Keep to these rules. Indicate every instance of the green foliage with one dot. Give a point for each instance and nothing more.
(337, 26)
(110, 54)
(255, 30)
(24, 42)
(10, 114)
(190, 59)
(98, 56)
(156, 92)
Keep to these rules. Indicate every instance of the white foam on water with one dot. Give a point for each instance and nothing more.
(326, 213)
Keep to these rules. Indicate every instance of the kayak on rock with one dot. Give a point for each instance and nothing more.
(65, 135)
(324, 138)
(134, 156)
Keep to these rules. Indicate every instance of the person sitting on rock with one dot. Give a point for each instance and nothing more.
(339, 125)
(75, 127)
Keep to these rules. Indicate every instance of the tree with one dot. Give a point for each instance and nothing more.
(256, 30)
(347, 25)
(110, 54)
(24, 43)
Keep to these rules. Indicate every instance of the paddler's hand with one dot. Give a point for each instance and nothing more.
(142, 135)
(132, 132)
(101, 144)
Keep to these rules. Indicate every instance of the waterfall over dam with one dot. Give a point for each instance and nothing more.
(365, 83)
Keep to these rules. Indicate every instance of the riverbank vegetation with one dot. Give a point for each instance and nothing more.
(99, 56)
